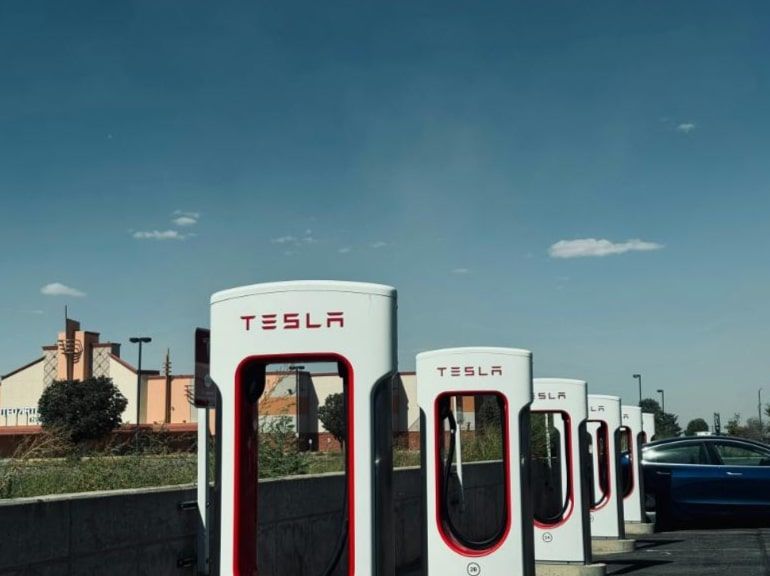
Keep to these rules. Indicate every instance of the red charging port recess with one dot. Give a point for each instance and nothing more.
(566, 446)
(603, 461)
(453, 541)
(246, 473)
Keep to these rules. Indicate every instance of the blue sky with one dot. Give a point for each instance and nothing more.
(453, 150)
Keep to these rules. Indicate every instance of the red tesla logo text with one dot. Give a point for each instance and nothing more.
(295, 321)
(551, 395)
(457, 371)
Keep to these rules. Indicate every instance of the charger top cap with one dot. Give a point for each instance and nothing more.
(474, 350)
(303, 286)
(560, 382)
(603, 397)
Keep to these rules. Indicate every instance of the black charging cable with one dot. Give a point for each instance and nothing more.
(449, 525)
(554, 518)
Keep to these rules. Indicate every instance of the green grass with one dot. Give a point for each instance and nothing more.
(45, 476)
(63, 476)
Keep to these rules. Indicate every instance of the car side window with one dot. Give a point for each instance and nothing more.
(679, 454)
(740, 455)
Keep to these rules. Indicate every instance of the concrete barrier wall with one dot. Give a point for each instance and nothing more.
(130, 532)
(145, 532)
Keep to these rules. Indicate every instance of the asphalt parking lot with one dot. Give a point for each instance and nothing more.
(733, 552)
(736, 552)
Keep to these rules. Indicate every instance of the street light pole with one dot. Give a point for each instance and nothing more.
(662, 401)
(138, 340)
(759, 408)
(639, 378)
(297, 369)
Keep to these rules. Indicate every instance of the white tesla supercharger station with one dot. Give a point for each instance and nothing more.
(562, 532)
(471, 529)
(648, 427)
(349, 325)
(604, 419)
(633, 489)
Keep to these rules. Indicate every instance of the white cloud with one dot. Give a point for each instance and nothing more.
(160, 235)
(195, 215)
(284, 240)
(185, 218)
(306, 238)
(686, 127)
(185, 221)
(58, 289)
(585, 247)
(461, 271)
(378, 244)
(344, 250)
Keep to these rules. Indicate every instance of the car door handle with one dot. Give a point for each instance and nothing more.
(735, 473)
(659, 473)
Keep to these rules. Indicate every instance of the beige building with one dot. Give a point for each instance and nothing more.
(78, 354)
(298, 395)
(165, 397)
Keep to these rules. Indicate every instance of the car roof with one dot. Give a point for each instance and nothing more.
(710, 438)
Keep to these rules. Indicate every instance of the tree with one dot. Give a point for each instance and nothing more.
(332, 416)
(278, 453)
(489, 415)
(666, 424)
(734, 425)
(80, 411)
(669, 426)
(753, 430)
(650, 406)
(696, 425)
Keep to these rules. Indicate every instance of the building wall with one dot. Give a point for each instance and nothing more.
(87, 357)
(409, 402)
(155, 405)
(125, 380)
(19, 396)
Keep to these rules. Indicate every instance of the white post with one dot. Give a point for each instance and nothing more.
(547, 441)
(203, 492)
(458, 452)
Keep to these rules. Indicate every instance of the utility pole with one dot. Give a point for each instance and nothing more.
(297, 369)
(138, 340)
(639, 378)
(167, 371)
(662, 400)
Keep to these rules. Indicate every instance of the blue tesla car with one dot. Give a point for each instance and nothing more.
(689, 479)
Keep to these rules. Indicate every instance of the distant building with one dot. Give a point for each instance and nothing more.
(78, 354)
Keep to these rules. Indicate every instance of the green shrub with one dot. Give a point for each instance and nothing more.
(87, 410)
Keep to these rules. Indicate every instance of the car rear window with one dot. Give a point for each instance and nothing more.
(679, 454)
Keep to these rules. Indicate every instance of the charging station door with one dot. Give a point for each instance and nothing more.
(604, 420)
(648, 427)
(633, 480)
(351, 326)
(477, 499)
(560, 470)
